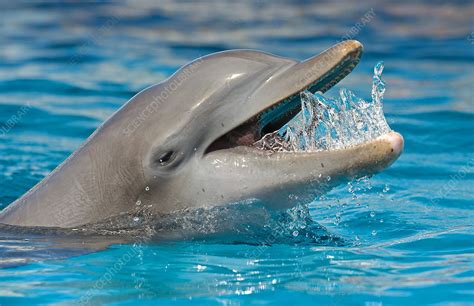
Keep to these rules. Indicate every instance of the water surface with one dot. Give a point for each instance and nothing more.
(403, 237)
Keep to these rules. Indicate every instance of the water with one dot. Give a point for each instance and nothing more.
(331, 124)
(402, 237)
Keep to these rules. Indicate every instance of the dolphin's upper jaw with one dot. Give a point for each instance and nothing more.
(319, 73)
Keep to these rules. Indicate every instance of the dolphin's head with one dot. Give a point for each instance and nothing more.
(193, 134)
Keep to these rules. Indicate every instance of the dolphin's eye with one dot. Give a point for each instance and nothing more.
(166, 158)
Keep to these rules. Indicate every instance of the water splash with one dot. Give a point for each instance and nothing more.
(331, 124)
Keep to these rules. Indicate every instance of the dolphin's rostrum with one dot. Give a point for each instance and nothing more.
(187, 143)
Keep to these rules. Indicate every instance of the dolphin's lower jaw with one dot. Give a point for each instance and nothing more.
(285, 179)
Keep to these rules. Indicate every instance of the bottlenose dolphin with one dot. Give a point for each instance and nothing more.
(185, 143)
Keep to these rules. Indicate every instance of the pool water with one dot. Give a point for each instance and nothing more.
(404, 236)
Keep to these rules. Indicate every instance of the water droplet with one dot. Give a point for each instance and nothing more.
(136, 219)
(374, 232)
(138, 203)
(200, 268)
(386, 188)
(328, 178)
(147, 188)
(372, 214)
(293, 197)
(295, 233)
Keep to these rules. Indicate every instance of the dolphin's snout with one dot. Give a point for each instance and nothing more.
(396, 142)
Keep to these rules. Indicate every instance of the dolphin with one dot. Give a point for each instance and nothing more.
(186, 143)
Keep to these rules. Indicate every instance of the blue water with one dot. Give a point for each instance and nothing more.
(403, 237)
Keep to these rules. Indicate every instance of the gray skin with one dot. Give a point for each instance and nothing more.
(207, 114)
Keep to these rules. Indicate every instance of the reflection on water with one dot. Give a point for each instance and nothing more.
(406, 235)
